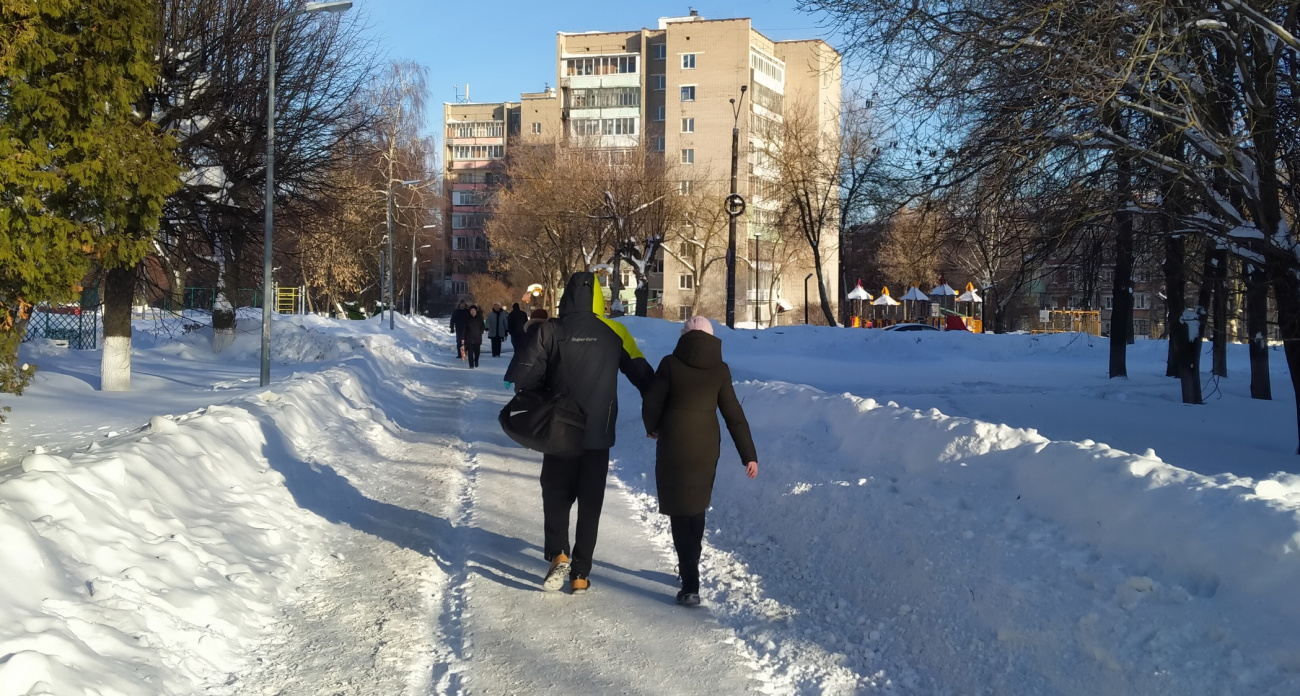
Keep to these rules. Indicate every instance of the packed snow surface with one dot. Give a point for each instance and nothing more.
(935, 513)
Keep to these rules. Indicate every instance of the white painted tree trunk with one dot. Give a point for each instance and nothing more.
(223, 324)
(115, 365)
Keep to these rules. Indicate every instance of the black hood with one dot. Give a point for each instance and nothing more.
(578, 294)
(698, 349)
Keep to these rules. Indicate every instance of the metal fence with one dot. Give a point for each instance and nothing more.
(76, 326)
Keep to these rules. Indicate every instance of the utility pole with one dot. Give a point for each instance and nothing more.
(735, 208)
(756, 280)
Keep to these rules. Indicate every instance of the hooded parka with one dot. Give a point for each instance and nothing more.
(582, 357)
(689, 388)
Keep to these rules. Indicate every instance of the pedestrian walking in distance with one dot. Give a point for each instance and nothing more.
(690, 386)
(515, 327)
(459, 320)
(498, 326)
(581, 354)
(474, 330)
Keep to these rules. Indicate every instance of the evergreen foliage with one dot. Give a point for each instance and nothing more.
(83, 177)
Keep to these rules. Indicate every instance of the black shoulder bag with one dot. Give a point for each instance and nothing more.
(546, 420)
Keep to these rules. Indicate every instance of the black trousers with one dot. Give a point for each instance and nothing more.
(471, 353)
(565, 480)
(688, 538)
(516, 340)
(460, 343)
(496, 346)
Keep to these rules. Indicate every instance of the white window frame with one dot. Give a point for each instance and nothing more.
(537, 129)
(684, 92)
(659, 83)
(688, 61)
(659, 51)
(660, 112)
(684, 187)
(685, 312)
(688, 125)
(688, 155)
(660, 144)
(685, 281)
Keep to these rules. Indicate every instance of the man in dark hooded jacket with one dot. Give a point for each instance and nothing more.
(515, 327)
(459, 322)
(579, 353)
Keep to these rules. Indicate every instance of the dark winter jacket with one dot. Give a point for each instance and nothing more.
(474, 328)
(581, 353)
(459, 320)
(517, 319)
(690, 387)
(497, 323)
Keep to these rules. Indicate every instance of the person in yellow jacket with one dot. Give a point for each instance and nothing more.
(580, 353)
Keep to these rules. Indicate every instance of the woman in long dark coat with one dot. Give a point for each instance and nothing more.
(690, 386)
(475, 326)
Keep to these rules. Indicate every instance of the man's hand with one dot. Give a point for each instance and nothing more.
(509, 385)
(751, 469)
(652, 436)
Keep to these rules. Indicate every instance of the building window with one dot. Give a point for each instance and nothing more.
(688, 92)
(688, 61)
(475, 129)
(659, 144)
(459, 287)
(688, 156)
(537, 129)
(659, 113)
(600, 65)
(477, 152)
(658, 83)
(603, 98)
(657, 265)
(1141, 301)
(683, 312)
(660, 51)
(688, 125)
(684, 188)
(467, 221)
(467, 198)
(1109, 302)
(685, 282)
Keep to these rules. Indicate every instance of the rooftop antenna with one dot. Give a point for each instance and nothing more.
(459, 98)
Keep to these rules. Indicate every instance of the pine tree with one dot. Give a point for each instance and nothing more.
(82, 178)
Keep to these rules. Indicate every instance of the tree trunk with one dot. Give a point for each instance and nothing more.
(1175, 302)
(115, 363)
(223, 308)
(821, 288)
(1286, 290)
(1121, 315)
(1219, 313)
(1257, 329)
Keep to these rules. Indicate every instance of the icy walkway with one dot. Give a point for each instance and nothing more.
(435, 584)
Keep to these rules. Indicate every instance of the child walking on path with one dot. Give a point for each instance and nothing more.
(690, 386)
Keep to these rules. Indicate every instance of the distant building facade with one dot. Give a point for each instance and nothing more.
(665, 89)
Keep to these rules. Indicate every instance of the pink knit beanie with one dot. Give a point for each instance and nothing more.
(698, 323)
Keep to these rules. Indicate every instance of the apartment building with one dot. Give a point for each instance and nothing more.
(669, 90)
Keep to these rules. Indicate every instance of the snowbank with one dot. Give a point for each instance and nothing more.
(152, 564)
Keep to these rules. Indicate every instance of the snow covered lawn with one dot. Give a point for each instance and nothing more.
(935, 513)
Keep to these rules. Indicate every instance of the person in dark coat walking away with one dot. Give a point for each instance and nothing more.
(580, 353)
(689, 387)
(497, 327)
(474, 329)
(459, 320)
(539, 316)
(515, 327)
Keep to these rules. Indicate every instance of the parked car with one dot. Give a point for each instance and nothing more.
(910, 327)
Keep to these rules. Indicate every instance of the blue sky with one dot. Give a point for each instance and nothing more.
(505, 47)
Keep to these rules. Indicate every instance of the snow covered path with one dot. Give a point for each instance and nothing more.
(434, 584)
(363, 527)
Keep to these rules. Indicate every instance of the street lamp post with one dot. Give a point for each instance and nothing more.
(392, 297)
(734, 210)
(755, 280)
(267, 300)
(442, 251)
(415, 288)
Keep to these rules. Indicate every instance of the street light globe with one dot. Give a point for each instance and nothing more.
(327, 6)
